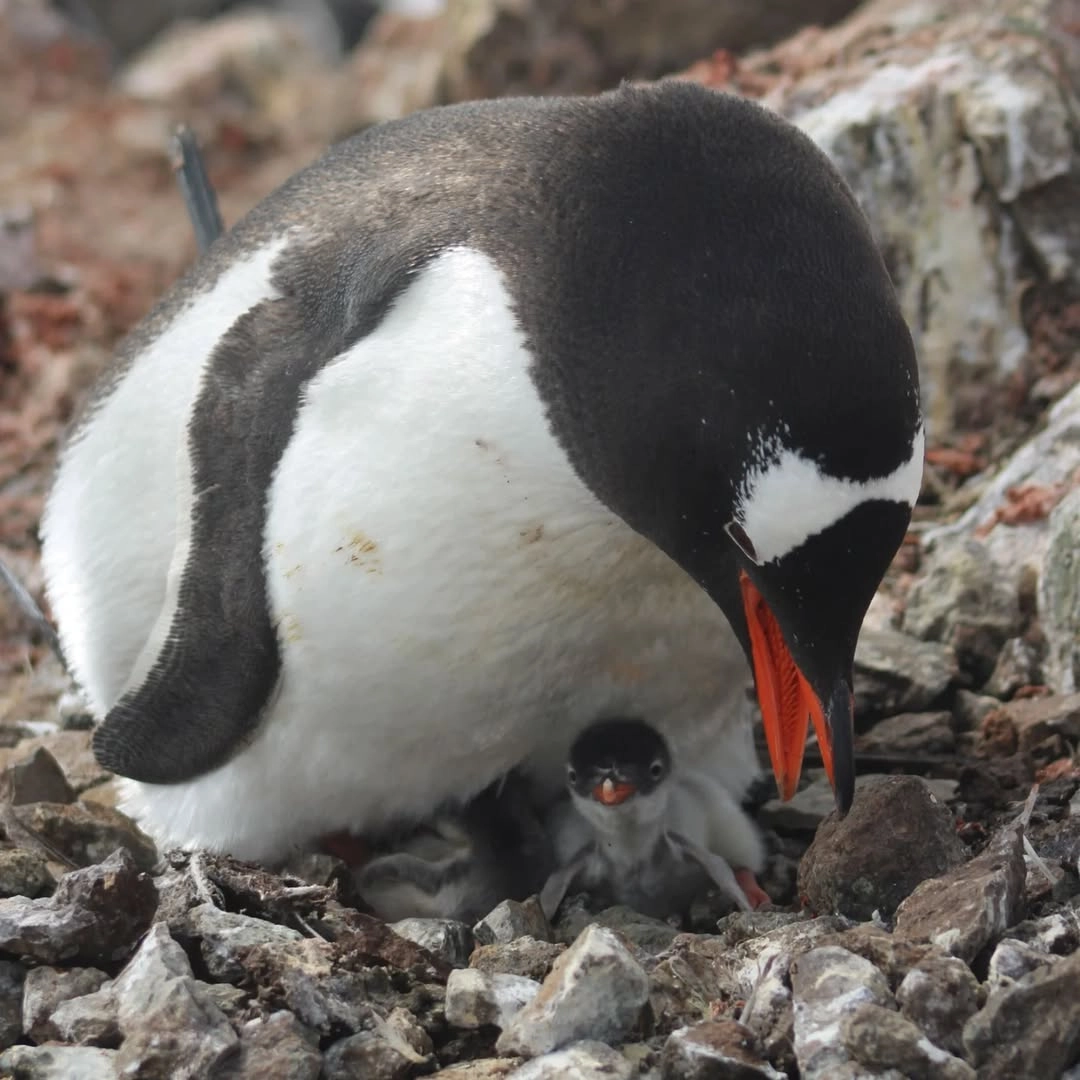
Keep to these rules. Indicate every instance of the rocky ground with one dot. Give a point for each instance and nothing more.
(936, 930)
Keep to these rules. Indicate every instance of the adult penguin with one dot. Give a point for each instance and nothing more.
(496, 420)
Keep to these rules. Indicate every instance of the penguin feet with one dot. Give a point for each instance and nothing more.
(756, 896)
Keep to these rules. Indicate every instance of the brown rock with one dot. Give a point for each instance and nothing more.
(523, 956)
(86, 833)
(895, 836)
(24, 873)
(972, 906)
(1028, 1028)
(72, 752)
(940, 994)
(46, 990)
(885, 1043)
(715, 1048)
(1036, 719)
(909, 733)
(95, 916)
(38, 778)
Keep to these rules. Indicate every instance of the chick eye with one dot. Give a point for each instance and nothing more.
(571, 776)
(656, 769)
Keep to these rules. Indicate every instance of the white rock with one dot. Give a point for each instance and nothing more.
(478, 998)
(595, 991)
(828, 984)
(581, 1061)
(59, 1063)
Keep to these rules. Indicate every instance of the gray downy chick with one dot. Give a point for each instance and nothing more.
(463, 862)
(639, 829)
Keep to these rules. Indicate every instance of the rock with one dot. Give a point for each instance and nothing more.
(963, 601)
(889, 1044)
(502, 47)
(689, 978)
(377, 1054)
(277, 1046)
(45, 989)
(525, 956)
(24, 873)
(1037, 719)
(940, 995)
(909, 733)
(93, 917)
(595, 990)
(90, 1020)
(1028, 1028)
(648, 934)
(770, 1014)
(475, 999)
(222, 935)
(11, 1001)
(716, 1048)
(1012, 960)
(250, 48)
(895, 673)
(59, 1063)
(1059, 596)
(829, 984)
(451, 941)
(580, 1061)
(87, 832)
(482, 1069)
(1018, 664)
(305, 978)
(38, 778)
(969, 710)
(893, 957)
(972, 906)
(1052, 933)
(171, 1026)
(789, 939)
(895, 836)
(811, 805)
(511, 920)
(71, 750)
(233, 1001)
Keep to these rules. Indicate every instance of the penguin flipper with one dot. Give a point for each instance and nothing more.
(558, 884)
(715, 866)
(201, 695)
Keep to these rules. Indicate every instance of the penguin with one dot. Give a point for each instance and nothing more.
(639, 831)
(463, 862)
(495, 420)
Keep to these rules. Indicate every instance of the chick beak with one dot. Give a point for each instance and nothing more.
(611, 792)
(789, 704)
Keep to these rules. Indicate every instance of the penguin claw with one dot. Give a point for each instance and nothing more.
(757, 897)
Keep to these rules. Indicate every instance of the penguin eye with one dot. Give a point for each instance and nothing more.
(656, 769)
(742, 541)
(571, 775)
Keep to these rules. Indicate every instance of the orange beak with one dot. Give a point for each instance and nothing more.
(611, 794)
(788, 703)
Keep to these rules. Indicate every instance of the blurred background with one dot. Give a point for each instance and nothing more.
(954, 121)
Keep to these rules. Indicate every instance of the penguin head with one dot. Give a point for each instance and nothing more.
(744, 392)
(617, 769)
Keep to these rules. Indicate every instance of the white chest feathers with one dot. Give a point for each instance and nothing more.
(450, 600)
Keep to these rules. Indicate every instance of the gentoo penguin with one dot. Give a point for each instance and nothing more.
(496, 420)
(460, 865)
(639, 831)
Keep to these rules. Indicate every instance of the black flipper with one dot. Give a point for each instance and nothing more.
(220, 663)
(558, 884)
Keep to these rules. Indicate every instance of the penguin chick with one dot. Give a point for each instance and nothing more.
(462, 863)
(639, 831)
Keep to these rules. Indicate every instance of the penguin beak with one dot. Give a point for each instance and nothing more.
(789, 703)
(611, 793)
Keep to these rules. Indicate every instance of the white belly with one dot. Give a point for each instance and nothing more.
(451, 601)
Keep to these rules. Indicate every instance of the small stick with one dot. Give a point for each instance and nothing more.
(30, 610)
(195, 186)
